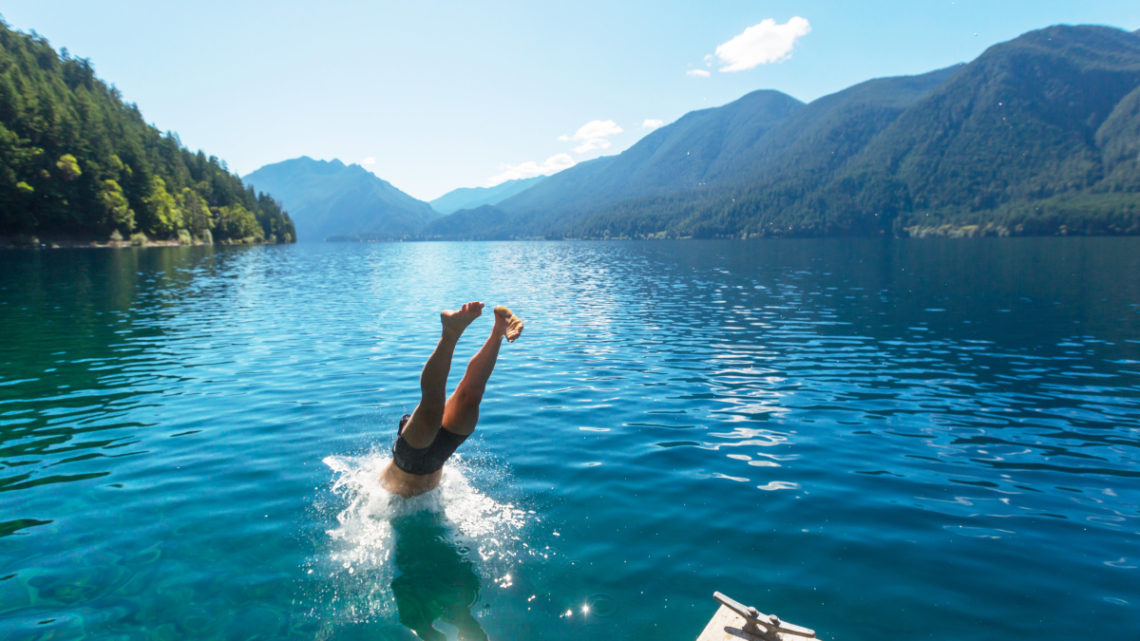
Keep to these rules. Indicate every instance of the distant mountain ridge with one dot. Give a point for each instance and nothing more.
(329, 200)
(472, 197)
(672, 159)
(1038, 135)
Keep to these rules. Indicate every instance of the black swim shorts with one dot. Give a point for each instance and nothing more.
(424, 460)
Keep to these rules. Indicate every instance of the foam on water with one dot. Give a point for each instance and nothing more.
(360, 561)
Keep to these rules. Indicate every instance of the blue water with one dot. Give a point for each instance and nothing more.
(900, 439)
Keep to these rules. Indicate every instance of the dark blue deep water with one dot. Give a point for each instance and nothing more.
(881, 440)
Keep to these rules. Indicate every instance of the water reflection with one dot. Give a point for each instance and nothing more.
(915, 428)
(435, 579)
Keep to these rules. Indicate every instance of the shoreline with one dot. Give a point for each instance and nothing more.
(913, 232)
(7, 242)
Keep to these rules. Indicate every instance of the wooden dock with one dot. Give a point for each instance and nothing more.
(736, 622)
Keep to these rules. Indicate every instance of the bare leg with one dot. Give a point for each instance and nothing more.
(428, 415)
(460, 413)
(462, 410)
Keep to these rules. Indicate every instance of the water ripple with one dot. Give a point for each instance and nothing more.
(917, 429)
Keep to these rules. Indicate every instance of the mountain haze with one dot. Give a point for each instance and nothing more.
(331, 200)
(472, 197)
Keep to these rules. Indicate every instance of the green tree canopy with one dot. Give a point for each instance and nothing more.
(77, 161)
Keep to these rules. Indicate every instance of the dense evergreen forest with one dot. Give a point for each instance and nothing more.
(78, 163)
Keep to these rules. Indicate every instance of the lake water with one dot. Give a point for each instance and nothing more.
(900, 439)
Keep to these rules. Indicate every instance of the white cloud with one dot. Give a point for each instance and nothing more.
(651, 123)
(697, 73)
(530, 169)
(593, 135)
(368, 162)
(762, 44)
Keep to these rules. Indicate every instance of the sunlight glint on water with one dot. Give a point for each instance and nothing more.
(941, 433)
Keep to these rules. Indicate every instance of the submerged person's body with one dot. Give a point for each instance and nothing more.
(432, 432)
(436, 579)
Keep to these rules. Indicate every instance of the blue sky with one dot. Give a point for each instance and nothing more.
(436, 95)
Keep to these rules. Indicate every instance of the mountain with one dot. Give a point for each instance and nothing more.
(333, 201)
(77, 163)
(827, 132)
(761, 138)
(473, 197)
(1118, 138)
(672, 159)
(484, 222)
(1018, 124)
(1038, 135)
(777, 172)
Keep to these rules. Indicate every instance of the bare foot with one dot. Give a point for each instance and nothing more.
(510, 324)
(458, 320)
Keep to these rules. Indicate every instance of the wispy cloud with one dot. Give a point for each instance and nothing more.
(761, 44)
(593, 135)
(697, 73)
(530, 169)
(368, 162)
(651, 123)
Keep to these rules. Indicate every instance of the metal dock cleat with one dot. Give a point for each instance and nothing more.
(726, 626)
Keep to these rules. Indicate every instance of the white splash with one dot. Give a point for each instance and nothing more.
(362, 544)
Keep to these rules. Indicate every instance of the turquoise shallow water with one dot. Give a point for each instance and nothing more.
(906, 439)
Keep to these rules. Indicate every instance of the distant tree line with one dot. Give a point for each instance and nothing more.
(867, 204)
(76, 161)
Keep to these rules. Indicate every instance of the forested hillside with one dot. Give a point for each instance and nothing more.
(673, 159)
(1020, 139)
(78, 163)
(1038, 135)
(775, 173)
